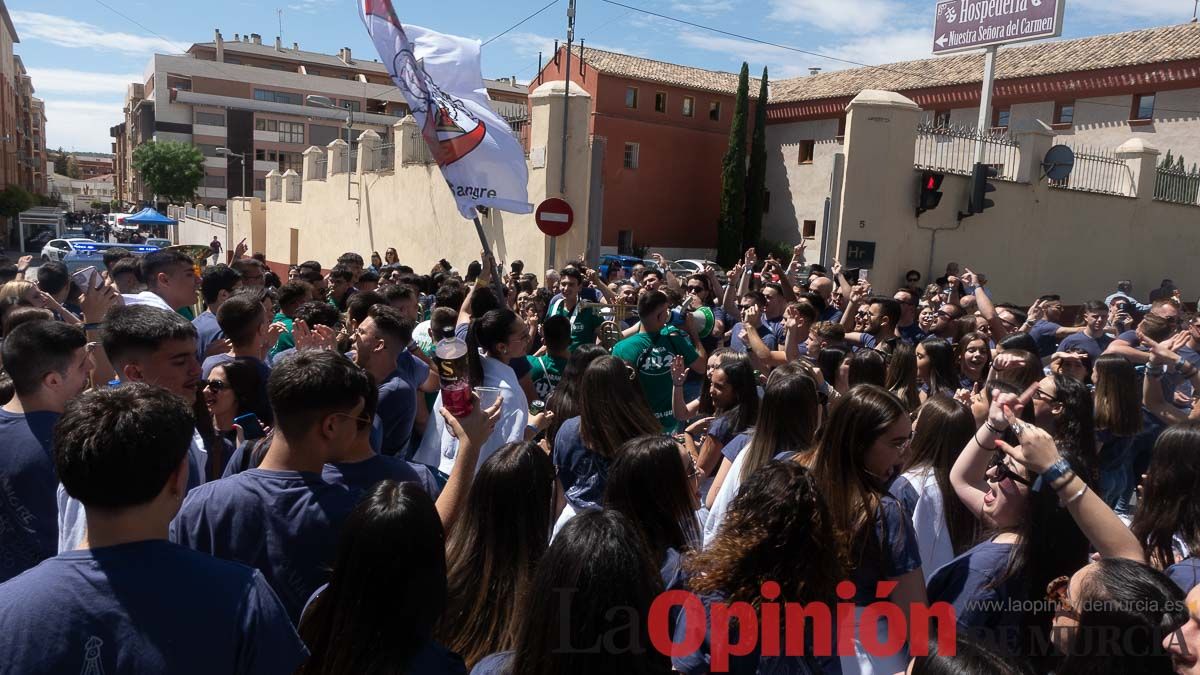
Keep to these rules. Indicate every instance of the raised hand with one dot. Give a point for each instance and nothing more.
(679, 371)
(476, 427)
(752, 316)
(836, 270)
(97, 301)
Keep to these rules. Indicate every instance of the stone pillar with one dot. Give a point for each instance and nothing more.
(212, 214)
(1142, 160)
(291, 186)
(368, 151)
(547, 109)
(311, 155)
(274, 186)
(407, 137)
(877, 206)
(1033, 138)
(337, 150)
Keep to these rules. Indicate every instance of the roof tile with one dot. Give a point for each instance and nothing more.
(638, 68)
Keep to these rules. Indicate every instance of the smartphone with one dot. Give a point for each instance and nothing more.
(86, 278)
(251, 427)
(862, 275)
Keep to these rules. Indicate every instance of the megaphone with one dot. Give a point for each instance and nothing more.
(702, 317)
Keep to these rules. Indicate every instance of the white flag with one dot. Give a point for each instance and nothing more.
(439, 76)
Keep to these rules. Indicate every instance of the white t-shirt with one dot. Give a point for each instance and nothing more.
(440, 449)
(146, 298)
(721, 503)
(929, 521)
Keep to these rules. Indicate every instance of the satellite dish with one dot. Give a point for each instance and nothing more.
(1058, 163)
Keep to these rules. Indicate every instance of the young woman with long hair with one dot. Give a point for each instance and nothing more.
(1118, 405)
(1167, 521)
(866, 366)
(613, 410)
(788, 421)
(778, 530)
(936, 370)
(943, 524)
(704, 405)
(1063, 407)
(493, 550)
(564, 400)
(974, 356)
(902, 375)
(590, 585)
(652, 482)
(733, 389)
(235, 388)
(1035, 536)
(493, 339)
(860, 451)
(835, 370)
(387, 590)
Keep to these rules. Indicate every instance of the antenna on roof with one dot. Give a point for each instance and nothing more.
(813, 70)
(279, 13)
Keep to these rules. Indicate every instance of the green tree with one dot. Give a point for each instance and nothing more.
(73, 168)
(13, 200)
(172, 170)
(60, 163)
(733, 179)
(756, 179)
(115, 206)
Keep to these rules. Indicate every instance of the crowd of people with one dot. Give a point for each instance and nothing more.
(227, 468)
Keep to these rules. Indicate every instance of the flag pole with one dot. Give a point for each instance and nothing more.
(487, 253)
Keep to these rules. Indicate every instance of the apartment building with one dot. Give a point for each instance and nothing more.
(249, 108)
(92, 165)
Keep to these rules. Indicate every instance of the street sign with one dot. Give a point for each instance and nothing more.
(960, 25)
(554, 217)
(860, 254)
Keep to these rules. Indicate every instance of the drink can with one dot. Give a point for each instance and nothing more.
(451, 359)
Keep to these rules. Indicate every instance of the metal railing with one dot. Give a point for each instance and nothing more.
(190, 212)
(1100, 172)
(385, 159)
(520, 129)
(951, 149)
(1177, 186)
(221, 217)
(322, 168)
(419, 153)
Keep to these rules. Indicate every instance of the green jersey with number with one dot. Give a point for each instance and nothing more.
(584, 321)
(546, 372)
(651, 355)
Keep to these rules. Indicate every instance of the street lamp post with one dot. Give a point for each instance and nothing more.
(326, 102)
(241, 158)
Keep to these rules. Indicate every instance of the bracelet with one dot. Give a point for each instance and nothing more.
(1056, 471)
(93, 326)
(994, 430)
(976, 439)
(1075, 497)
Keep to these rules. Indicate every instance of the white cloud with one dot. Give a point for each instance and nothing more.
(879, 49)
(81, 125)
(71, 81)
(310, 6)
(703, 7)
(841, 17)
(67, 32)
(782, 63)
(1171, 10)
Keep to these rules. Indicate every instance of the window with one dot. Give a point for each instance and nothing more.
(214, 181)
(841, 134)
(312, 71)
(631, 97)
(810, 229)
(291, 160)
(278, 97)
(1064, 113)
(714, 111)
(631, 155)
(260, 184)
(208, 150)
(179, 83)
(807, 150)
(322, 135)
(941, 118)
(1000, 117)
(689, 106)
(266, 125)
(211, 119)
(291, 132)
(353, 106)
(625, 242)
(1143, 107)
(660, 101)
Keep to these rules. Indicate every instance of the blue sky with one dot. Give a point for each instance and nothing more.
(82, 53)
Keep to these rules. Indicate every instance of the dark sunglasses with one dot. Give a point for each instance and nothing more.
(216, 385)
(1001, 471)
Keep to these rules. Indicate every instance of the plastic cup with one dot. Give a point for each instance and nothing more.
(487, 396)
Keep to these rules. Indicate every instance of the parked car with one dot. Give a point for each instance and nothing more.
(625, 261)
(161, 243)
(38, 239)
(694, 265)
(80, 252)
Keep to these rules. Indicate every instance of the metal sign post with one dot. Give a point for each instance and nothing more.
(562, 165)
(985, 99)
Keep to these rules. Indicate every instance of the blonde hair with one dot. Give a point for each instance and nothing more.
(15, 289)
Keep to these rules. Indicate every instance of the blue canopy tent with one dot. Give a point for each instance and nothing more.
(150, 220)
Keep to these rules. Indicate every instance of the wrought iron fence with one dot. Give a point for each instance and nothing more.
(519, 126)
(322, 168)
(1177, 186)
(419, 153)
(386, 157)
(951, 149)
(1098, 171)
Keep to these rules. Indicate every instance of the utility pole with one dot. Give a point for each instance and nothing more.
(562, 165)
(985, 99)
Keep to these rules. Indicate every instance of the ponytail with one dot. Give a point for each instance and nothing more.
(474, 360)
(484, 333)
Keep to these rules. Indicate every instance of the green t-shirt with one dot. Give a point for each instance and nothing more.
(187, 313)
(652, 356)
(285, 339)
(584, 322)
(546, 372)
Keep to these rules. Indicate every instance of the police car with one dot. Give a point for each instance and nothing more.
(76, 253)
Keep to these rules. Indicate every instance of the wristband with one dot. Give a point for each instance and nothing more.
(1056, 471)
(994, 430)
(92, 326)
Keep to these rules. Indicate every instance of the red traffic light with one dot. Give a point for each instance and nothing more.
(930, 184)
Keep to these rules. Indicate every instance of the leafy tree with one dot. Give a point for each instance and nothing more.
(172, 170)
(60, 164)
(756, 179)
(13, 200)
(73, 168)
(114, 206)
(733, 179)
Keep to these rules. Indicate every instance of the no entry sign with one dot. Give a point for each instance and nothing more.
(970, 24)
(554, 217)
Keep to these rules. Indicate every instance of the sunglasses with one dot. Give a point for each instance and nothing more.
(946, 315)
(998, 470)
(216, 385)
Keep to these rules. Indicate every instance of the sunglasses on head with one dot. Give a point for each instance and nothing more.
(998, 470)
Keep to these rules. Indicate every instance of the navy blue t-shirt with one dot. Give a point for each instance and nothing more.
(285, 523)
(207, 332)
(28, 491)
(396, 412)
(912, 333)
(144, 607)
(772, 332)
(359, 477)
(1093, 346)
(1044, 334)
(735, 446)
(964, 583)
(264, 371)
(1185, 573)
(721, 430)
(582, 473)
(899, 553)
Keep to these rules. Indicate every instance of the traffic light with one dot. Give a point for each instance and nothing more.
(980, 187)
(931, 191)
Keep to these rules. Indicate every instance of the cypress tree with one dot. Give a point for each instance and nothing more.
(756, 180)
(733, 179)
